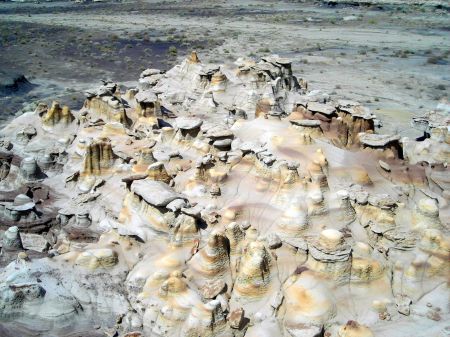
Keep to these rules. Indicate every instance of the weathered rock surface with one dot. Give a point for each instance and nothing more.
(221, 200)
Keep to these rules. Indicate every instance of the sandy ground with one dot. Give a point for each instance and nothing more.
(393, 59)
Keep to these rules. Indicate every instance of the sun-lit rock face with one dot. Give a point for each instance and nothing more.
(213, 87)
(193, 58)
(221, 200)
(218, 81)
(307, 302)
(433, 149)
(341, 121)
(331, 256)
(148, 105)
(426, 215)
(176, 307)
(57, 115)
(254, 275)
(99, 157)
(354, 329)
(365, 265)
(11, 239)
(157, 171)
(103, 103)
(213, 260)
(294, 220)
(97, 258)
(235, 234)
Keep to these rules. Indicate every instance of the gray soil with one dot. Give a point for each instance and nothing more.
(392, 56)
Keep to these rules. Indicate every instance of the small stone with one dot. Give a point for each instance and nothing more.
(403, 302)
(215, 190)
(273, 241)
(236, 318)
(133, 334)
(385, 166)
(222, 143)
(433, 315)
(176, 205)
(245, 225)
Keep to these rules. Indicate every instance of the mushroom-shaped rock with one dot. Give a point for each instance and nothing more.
(218, 81)
(188, 123)
(347, 212)
(145, 158)
(11, 239)
(188, 127)
(426, 215)
(364, 266)
(157, 171)
(23, 202)
(147, 104)
(330, 255)
(330, 239)
(316, 203)
(29, 169)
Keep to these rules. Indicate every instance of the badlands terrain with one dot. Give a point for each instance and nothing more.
(238, 168)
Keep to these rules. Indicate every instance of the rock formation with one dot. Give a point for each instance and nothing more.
(221, 200)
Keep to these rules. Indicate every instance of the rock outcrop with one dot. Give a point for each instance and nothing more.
(221, 200)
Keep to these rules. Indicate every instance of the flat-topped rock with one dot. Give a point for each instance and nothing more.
(345, 104)
(188, 123)
(322, 108)
(219, 132)
(150, 72)
(361, 112)
(306, 122)
(146, 96)
(277, 59)
(354, 108)
(155, 193)
(382, 201)
(209, 69)
(433, 119)
(22, 203)
(377, 140)
(222, 143)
